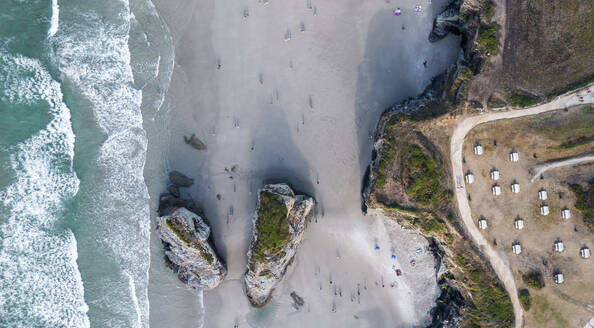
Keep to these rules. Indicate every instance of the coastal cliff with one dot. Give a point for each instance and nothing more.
(188, 250)
(279, 227)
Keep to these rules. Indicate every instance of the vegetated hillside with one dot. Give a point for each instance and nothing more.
(549, 46)
(585, 202)
(411, 182)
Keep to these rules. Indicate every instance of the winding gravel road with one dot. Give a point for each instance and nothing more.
(497, 262)
(542, 168)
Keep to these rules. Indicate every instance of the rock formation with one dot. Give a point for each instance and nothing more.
(447, 21)
(179, 179)
(279, 226)
(194, 142)
(188, 250)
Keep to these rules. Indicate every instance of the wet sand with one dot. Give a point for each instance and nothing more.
(299, 107)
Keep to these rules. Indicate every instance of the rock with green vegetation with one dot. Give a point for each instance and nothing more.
(279, 227)
(188, 250)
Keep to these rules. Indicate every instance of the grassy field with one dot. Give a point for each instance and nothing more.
(585, 202)
(492, 306)
(549, 45)
(272, 228)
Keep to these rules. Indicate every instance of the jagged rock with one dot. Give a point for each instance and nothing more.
(194, 142)
(449, 21)
(188, 251)
(279, 226)
(169, 203)
(448, 307)
(174, 190)
(179, 179)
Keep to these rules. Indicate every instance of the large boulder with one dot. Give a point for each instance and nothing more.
(188, 250)
(179, 179)
(279, 226)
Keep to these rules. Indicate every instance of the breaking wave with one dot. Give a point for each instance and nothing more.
(40, 285)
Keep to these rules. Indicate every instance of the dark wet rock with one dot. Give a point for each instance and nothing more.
(168, 203)
(448, 308)
(449, 21)
(194, 142)
(279, 227)
(188, 251)
(298, 301)
(179, 179)
(174, 190)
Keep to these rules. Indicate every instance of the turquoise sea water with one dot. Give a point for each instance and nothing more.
(78, 80)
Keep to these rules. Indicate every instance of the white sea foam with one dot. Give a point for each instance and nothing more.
(93, 54)
(55, 20)
(40, 284)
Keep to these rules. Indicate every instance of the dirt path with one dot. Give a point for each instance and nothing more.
(497, 262)
(542, 168)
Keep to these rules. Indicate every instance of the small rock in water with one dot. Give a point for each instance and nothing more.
(179, 179)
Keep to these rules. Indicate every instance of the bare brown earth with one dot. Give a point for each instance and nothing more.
(537, 140)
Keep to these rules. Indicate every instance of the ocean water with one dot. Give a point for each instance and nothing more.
(79, 81)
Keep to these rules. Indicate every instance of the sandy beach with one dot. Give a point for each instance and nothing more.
(285, 91)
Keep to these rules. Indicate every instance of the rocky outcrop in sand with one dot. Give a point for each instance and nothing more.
(279, 226)
(188, 250)
(179, 179)
(447, 21)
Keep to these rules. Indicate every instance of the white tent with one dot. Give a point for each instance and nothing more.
(495, 175)
(565, 213)
(482, 223)
(496, 190)
(585, 252)
(559, 247)
(469, 178)
(515, 187)
(516, 248)
(559, 278)
(544, 210)
(513, 156)
(519, 224)
(478, 149)
(542, 194)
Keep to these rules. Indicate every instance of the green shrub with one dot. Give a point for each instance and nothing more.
(573, 143)
(488, 39)
(272, 228)
(492, 306)
(523, 100)
(585, 202)
(433, 225)
(533, 279)
(488, 9)
(524, 295)
(386, 157)
(422, 175)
